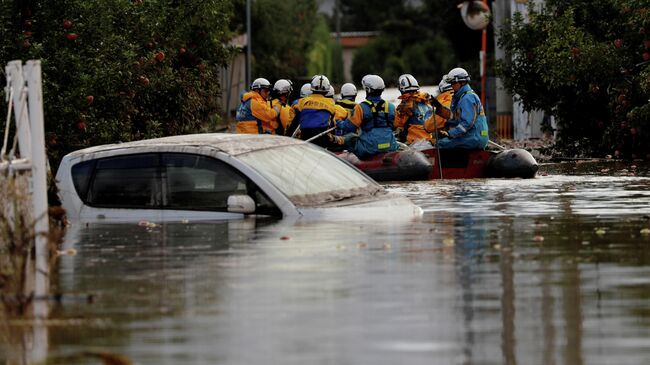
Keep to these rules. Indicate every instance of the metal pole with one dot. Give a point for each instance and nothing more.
(249, 43)
(483, 58)
(39, 174)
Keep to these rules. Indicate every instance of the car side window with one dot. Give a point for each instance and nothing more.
(131, 181)
(199, 182)
(81, 174)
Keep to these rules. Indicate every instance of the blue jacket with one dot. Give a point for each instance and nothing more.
(468, 127)
(374, 117)
(315, 111)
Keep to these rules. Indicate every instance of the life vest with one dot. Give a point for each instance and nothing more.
(245, 114)
(347, 104)
(480, 120)
(316, 111)
(379, 117)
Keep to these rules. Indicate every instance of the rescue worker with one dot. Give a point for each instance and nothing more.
(281, 91)
(374, 116)
(305, 90)
(467, 125)
(315, 113)
(413, 112)
(341, 113)
(254, 114)
(348, 95)
(437, 124)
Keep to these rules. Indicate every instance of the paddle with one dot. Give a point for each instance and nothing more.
(496, 145)
(319, 134)
(295, 133)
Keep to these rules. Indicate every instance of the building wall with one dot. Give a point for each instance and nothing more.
(233, 82)
(511, 119)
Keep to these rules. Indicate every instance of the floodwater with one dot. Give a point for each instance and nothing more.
(553, 270)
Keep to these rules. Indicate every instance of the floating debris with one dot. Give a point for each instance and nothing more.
(147, 224)
(645, 231)
(68, 252)
(284, 238)
(449, 241)
(600, 231)
(362, 245)
(538, 238)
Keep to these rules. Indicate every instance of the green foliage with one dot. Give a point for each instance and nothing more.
(282, 33)
(412, 38)
(320, 53)
(361, 15)
(119, 70)
(585, 63)
(427, 57)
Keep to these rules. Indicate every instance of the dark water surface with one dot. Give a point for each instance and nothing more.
(553, 270)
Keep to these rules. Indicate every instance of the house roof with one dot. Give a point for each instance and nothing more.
(354, 39)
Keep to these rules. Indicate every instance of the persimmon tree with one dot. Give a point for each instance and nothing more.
(587, 63)
(119, 70)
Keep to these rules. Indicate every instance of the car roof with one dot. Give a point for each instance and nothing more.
(231, 144)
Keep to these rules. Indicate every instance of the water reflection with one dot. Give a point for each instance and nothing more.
(543, 271)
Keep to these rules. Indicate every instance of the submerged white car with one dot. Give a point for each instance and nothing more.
(219, 176)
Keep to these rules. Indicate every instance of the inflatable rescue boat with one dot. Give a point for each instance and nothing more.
(411, 164)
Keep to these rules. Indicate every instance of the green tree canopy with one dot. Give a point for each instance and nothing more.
(405, 47)
(587, 64)
(282, 36)
(325, 55)
(118, 70)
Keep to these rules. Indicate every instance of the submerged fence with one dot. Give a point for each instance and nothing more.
(24, 220)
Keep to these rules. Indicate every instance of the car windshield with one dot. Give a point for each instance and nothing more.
(308, 175)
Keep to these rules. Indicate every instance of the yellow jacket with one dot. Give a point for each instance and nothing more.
(286, 114)
(315, 111)
(255, 115)
(341, 113)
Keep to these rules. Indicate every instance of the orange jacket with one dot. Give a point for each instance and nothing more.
(414, 111)
(255, 115)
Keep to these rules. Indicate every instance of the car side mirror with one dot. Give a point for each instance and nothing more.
(241, 203)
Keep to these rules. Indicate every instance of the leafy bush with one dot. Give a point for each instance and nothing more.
(586, 63)
(119, 70)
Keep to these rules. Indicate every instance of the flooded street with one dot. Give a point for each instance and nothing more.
(553, 270)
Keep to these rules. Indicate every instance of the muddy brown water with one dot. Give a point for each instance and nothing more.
(553, 270)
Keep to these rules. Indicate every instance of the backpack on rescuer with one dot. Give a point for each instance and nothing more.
(378, 120)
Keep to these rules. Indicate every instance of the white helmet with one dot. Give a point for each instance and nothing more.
(282, 87)
(373, 83)
(444, 85)
(320, 84)
(348, 90)
(260, 83)
(364, 79)
(330, 93)
(457, 75)
(305, 90)
(408, 83)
